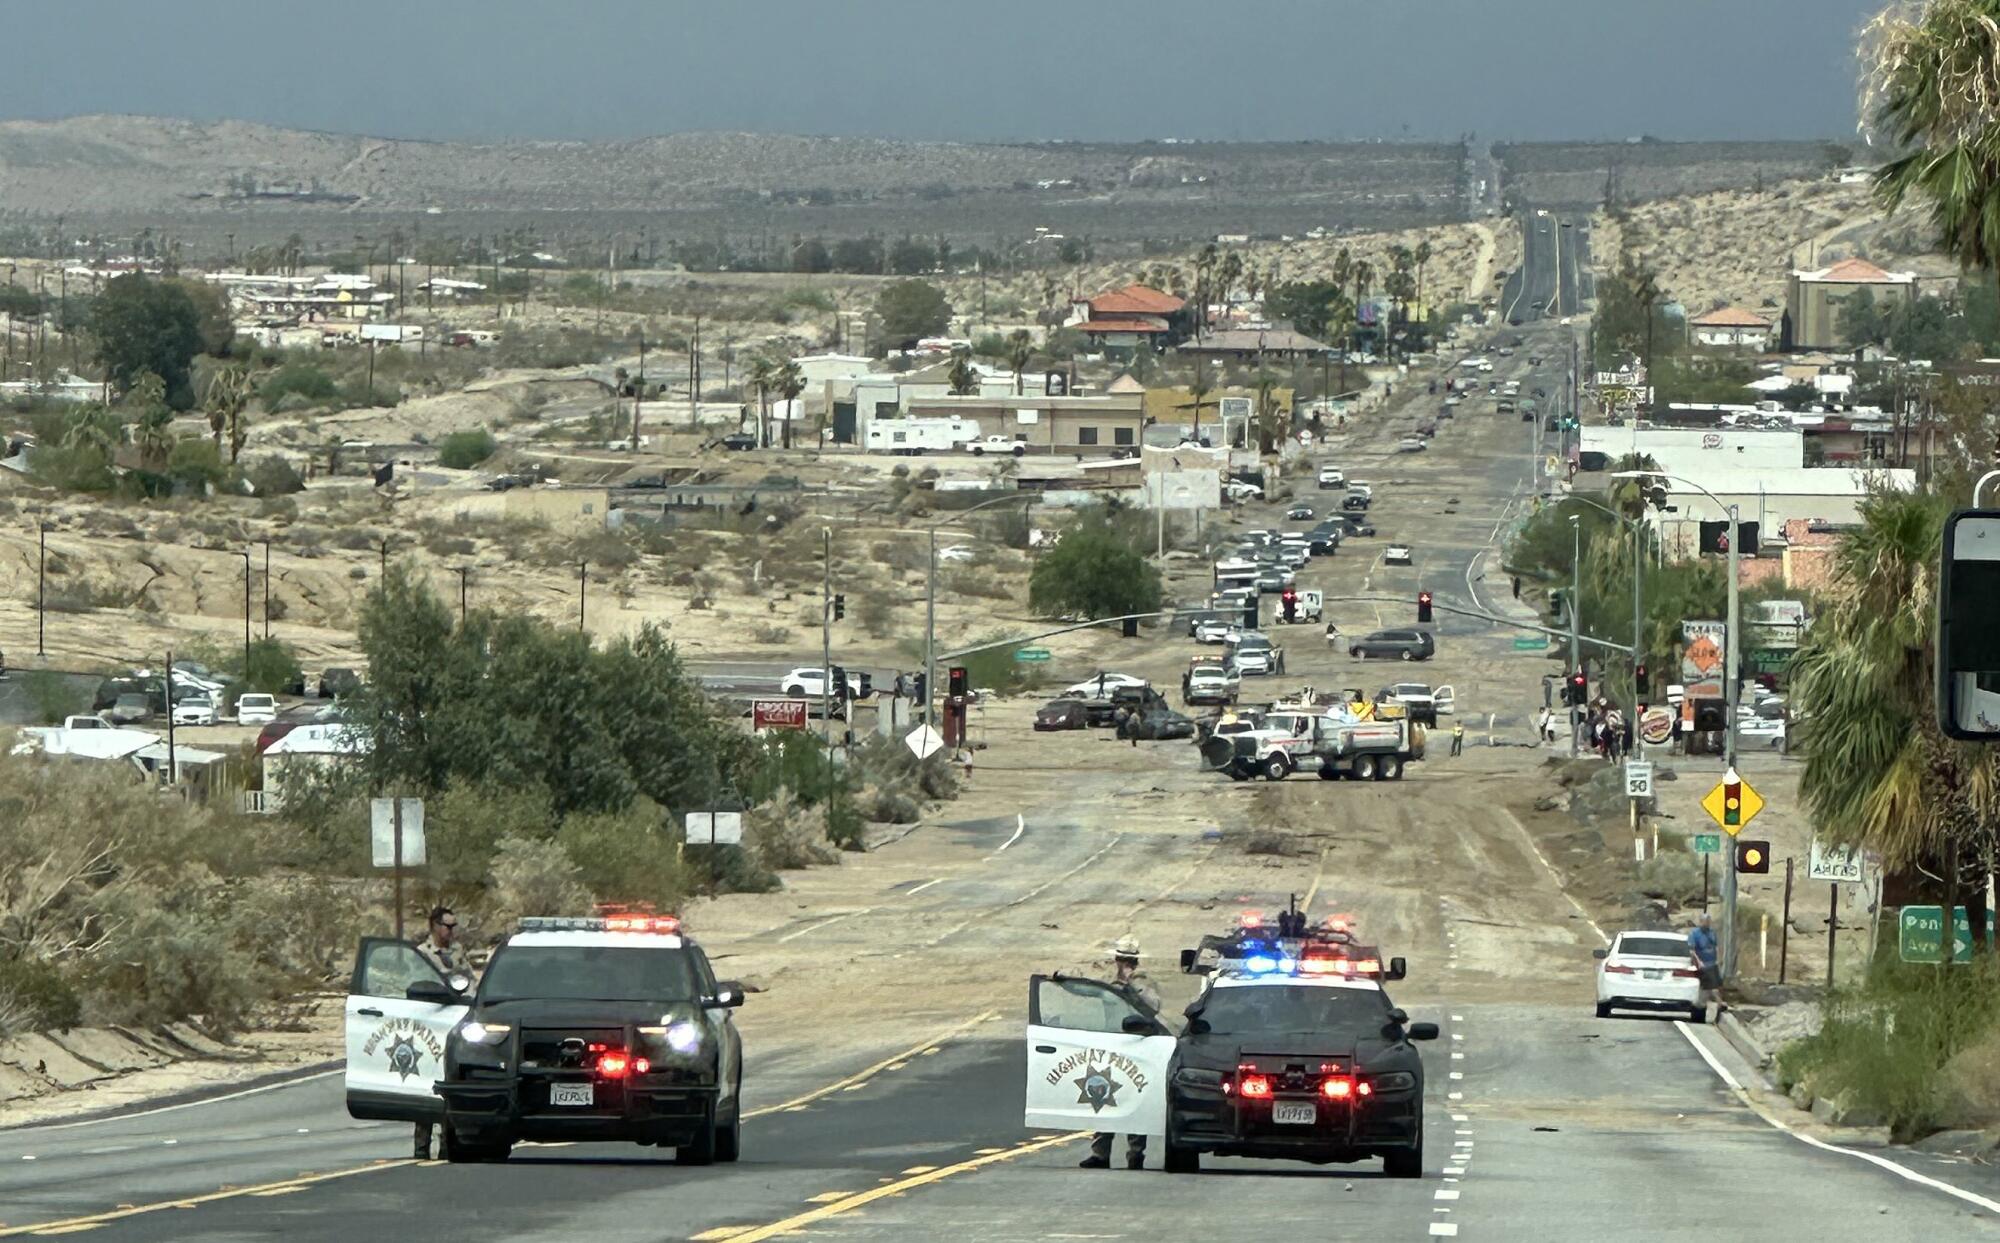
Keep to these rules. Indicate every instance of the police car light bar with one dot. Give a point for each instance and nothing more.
(599, 923)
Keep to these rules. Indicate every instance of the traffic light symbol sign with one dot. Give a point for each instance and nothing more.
(1753, 856)
(1732, 804)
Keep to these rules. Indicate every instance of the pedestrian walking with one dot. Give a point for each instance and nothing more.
(1457, 737)
(1135, 982)
(901, 686)
(442, 951)
(1332, 635)
(1702, 942)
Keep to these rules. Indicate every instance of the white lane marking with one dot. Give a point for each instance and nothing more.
(167, 1109)
(825, 923)
(1458, 1074)
(1463, 1131)
(1454, 1096)
(1459, 1169)
(1020, 827)
(1460, 1018)
(1461, 1143)
(1451, 1193)
(169, 1142)
(28, 1156)
(1030, 895)
(1459, 1057)
(1880, 1162)
(920, 888)
(1444, 1229)
(1466, 1118)
(1456, 1036)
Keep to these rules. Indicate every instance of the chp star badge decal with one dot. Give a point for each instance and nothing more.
(404, 1058)
(1097, 1089)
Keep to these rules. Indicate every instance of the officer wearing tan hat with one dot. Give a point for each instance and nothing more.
(1125, 955)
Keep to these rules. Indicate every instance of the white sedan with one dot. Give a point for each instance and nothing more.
(1396, 554)
(1649, 971)
(191, 708)
(956, 552)
(1213, 630)
(1103, 684)
(1411, 444)
(1760, 731)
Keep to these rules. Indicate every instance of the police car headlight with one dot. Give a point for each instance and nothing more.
(1191, 1077)
(1395, 1081)
(682, 1036)
(484, 1033)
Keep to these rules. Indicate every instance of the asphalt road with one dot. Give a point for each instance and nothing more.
(1553, 280)
(1542, 1121)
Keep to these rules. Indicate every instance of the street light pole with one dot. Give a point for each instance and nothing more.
(1638, 571)
(1575, 591)
(826, 632)
(582, 586)
(42, 593)
(267, 587)
(246, 614)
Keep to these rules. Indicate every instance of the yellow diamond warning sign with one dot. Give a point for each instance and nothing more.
(1732, 803)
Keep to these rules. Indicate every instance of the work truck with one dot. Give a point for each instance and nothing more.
(1335, 745)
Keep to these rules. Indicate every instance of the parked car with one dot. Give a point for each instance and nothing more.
(1210, 682)
(130, 708)
(1353, 501)
(739, 441)
(957, 552)
(811, 683)
(1299, 512)
(1358, 524)
(336, 682)
(996, 444)
(1332, 477)
(1274, 579)
(1396, 554)
(1254, 654)
(1761, 731)
(1419, 702)
(1410, 444)
(1062, 714)
(1649, 971)
(1100, 685)
(1399, 644)
(253, 708)
(1157, 724)
(1213, 629)
(194, 708)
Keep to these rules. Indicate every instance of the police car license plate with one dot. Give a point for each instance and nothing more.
(1655, 975)
(583, 1094)
(1294, 1114)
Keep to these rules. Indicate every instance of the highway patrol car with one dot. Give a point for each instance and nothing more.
(608, 1028)
(1302, 1058)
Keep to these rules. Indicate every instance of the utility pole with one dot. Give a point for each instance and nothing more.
(267, 588)
(826, 632)
(463, 572)
(1575, 592)
(246, 614)
(582, 586)
(694, 377)
(639, 393)
(173, 764)
(930, 625)
(1732, 655)
(42, 594)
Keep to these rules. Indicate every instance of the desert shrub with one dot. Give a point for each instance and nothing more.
(771, 633)
(273, 668)
(876, 612)
(444, 544)
(307, 383)
(783, 832)
(965, 580)
(273, 476)
(465, 450)
(889, 804)
(49, 697)
(532, 876)
(1674, 876)
(195, 465)
(626, 857)
(36, 995)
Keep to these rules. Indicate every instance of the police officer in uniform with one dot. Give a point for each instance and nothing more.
(441, 950)
(1135, 981)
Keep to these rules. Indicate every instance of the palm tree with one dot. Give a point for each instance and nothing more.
(1269, 428)
(228, 392)
(788, 382)
(1880, 772)
(762, 374)
(1931, 92)
(1423, 256)
(1227, 274)
(1020, 348)
(93, 427)
(1340, 326)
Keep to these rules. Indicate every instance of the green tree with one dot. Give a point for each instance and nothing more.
(1094, 572)
(911, 257)
(1307, 305)
(811, 255)
(142, 324)
(964, 381)
(1931, 93)
(910, 310)
(1861, 320)
(1020, 349)
(1879, 772)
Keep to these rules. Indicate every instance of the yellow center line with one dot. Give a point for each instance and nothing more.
(74, 1224)
(859, 1199)
(858, 1078)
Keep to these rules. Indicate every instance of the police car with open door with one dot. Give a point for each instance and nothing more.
(1306, 1061)
(595, 1029)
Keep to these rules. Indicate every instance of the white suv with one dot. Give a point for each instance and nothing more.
(255, 709)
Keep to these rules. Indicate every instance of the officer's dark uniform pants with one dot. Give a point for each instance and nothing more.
(1135, 1146)
(423, 1138)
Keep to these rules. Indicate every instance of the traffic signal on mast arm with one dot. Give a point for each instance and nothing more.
(839, 607)
(1423, 606)
(1753, 857)
(1579, 687)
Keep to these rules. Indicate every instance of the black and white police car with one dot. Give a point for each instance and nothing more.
(1299, 1058)
(608, 1028)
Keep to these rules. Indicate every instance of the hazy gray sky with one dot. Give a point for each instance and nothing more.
(1006, 69)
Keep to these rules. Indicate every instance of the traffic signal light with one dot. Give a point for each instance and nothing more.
(1557, 601)
(839, 607)
(838, 677)
(1291, 604)
(1732, 807)
(958, 682)
(1579, 687)
(1753, 857)
(921, 692)
(1715, 538)
(1423, 606)
(1639, 673)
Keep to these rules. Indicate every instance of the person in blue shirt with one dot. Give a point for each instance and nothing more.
(1702, 942)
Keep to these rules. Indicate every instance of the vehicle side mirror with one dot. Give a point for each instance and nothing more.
(1968, 643)
(1399, 1016)
(435, 992)
(1600, 954)
(728, 995)
(1422, 1031)
(1398, 968)
(1188, 960)
(1140, 1025)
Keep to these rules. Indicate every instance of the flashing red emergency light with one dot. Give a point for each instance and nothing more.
(1250, 919)
(642, 923)
(1423, 606)
(1253, 1086)
(1337, 1088)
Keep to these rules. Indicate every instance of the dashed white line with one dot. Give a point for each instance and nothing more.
(1451, 1193)
(1456, 1074)
(920, 888)
(1444, 1229)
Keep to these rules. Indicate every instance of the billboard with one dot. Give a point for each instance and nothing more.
(1774, 624)
(1704, 661)
(777, 714)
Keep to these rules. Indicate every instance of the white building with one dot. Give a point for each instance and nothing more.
(1731, 327)
(1694, 451)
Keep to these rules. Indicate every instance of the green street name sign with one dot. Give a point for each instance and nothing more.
(1530, 642)
(1031, 653)
(1707, 843)
(1917, 934)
